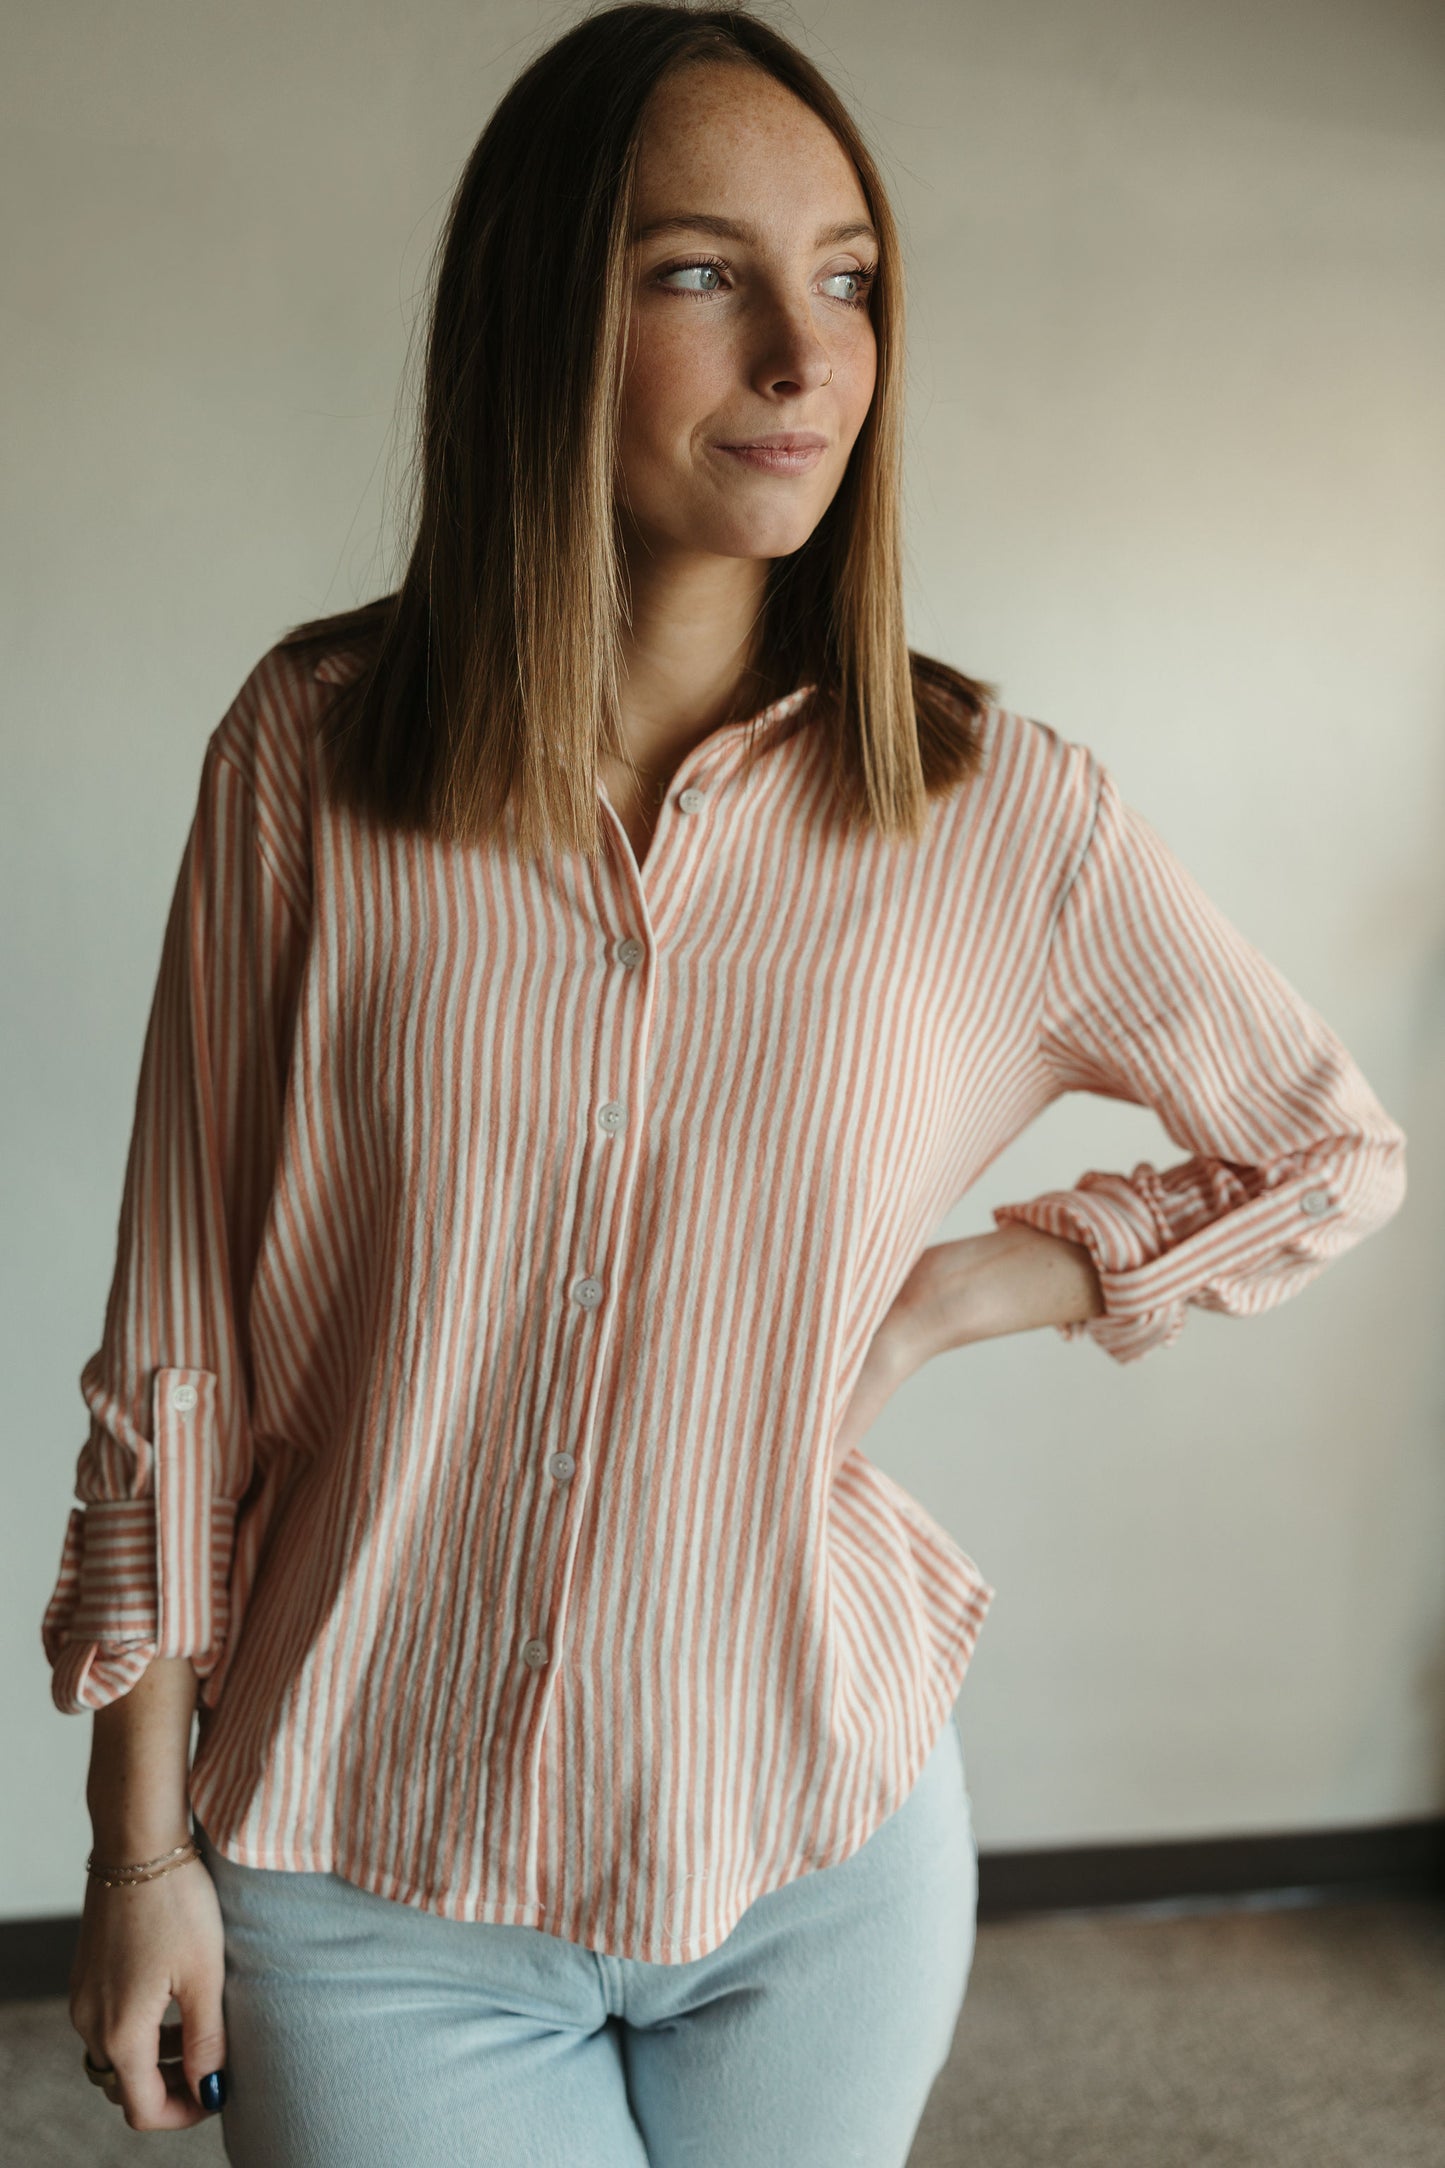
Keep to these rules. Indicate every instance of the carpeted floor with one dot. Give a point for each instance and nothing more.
(1258, 2036)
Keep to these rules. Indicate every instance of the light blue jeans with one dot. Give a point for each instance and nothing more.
(363, 2033)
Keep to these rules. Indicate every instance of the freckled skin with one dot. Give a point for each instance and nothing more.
(739, 352)
(705, 363)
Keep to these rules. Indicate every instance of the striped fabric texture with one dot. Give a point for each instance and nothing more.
(499, 1247)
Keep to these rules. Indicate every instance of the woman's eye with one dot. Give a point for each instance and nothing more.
(678, 269)
(860, 280)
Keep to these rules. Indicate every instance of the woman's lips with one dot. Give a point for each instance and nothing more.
(771, 459)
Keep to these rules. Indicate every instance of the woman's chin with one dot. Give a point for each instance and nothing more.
(738, 529)
(760, 538)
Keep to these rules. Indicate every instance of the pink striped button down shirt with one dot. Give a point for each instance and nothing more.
(499, 1248)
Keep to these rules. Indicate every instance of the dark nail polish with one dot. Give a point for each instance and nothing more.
(212, 2090)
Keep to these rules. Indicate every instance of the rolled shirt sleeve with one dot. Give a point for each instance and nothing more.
(146, 1556)
(1151, 995)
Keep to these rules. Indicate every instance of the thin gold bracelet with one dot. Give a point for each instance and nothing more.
(145, 1870)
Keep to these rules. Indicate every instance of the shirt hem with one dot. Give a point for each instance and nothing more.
(497, 1910)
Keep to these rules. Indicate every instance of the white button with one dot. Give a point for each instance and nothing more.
(611, 1116)
(184, 1398)
(563, 1466)
(630, 953)
(588, 1292)
(1315, 1201)
(534, 1653)
(692, 801)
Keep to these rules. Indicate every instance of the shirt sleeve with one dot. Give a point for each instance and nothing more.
(145, 1565)
(1152, 995)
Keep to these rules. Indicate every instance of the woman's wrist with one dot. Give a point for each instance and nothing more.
(118, 1840)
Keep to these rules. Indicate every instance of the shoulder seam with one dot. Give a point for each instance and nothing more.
(278, 878)
(1088, 844)
(1079, 864)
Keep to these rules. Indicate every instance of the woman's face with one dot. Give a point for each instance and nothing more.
(757, 331)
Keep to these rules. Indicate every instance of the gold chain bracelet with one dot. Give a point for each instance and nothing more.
(145, 1870)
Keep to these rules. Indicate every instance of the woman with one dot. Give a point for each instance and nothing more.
(594, 971)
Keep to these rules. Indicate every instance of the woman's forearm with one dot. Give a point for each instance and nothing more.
(138, 1787)
(1010, 1280)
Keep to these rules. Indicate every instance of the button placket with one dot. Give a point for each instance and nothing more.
(694, 799)
(628, 951)
(588, 1291)
(689, 798)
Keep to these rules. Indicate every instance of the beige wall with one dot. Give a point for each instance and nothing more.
(1175, 479)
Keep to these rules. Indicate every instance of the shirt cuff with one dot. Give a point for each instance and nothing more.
(1113, 1220)
(129, 1590)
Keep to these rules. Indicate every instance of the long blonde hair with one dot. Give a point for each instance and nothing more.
(491, 675)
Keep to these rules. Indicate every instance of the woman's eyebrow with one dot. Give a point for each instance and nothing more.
(732, 229)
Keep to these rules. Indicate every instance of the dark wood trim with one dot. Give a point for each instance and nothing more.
(1386, 1860)
(1392, 1859)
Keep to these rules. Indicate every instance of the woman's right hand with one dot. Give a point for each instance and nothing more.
(140, 1944)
